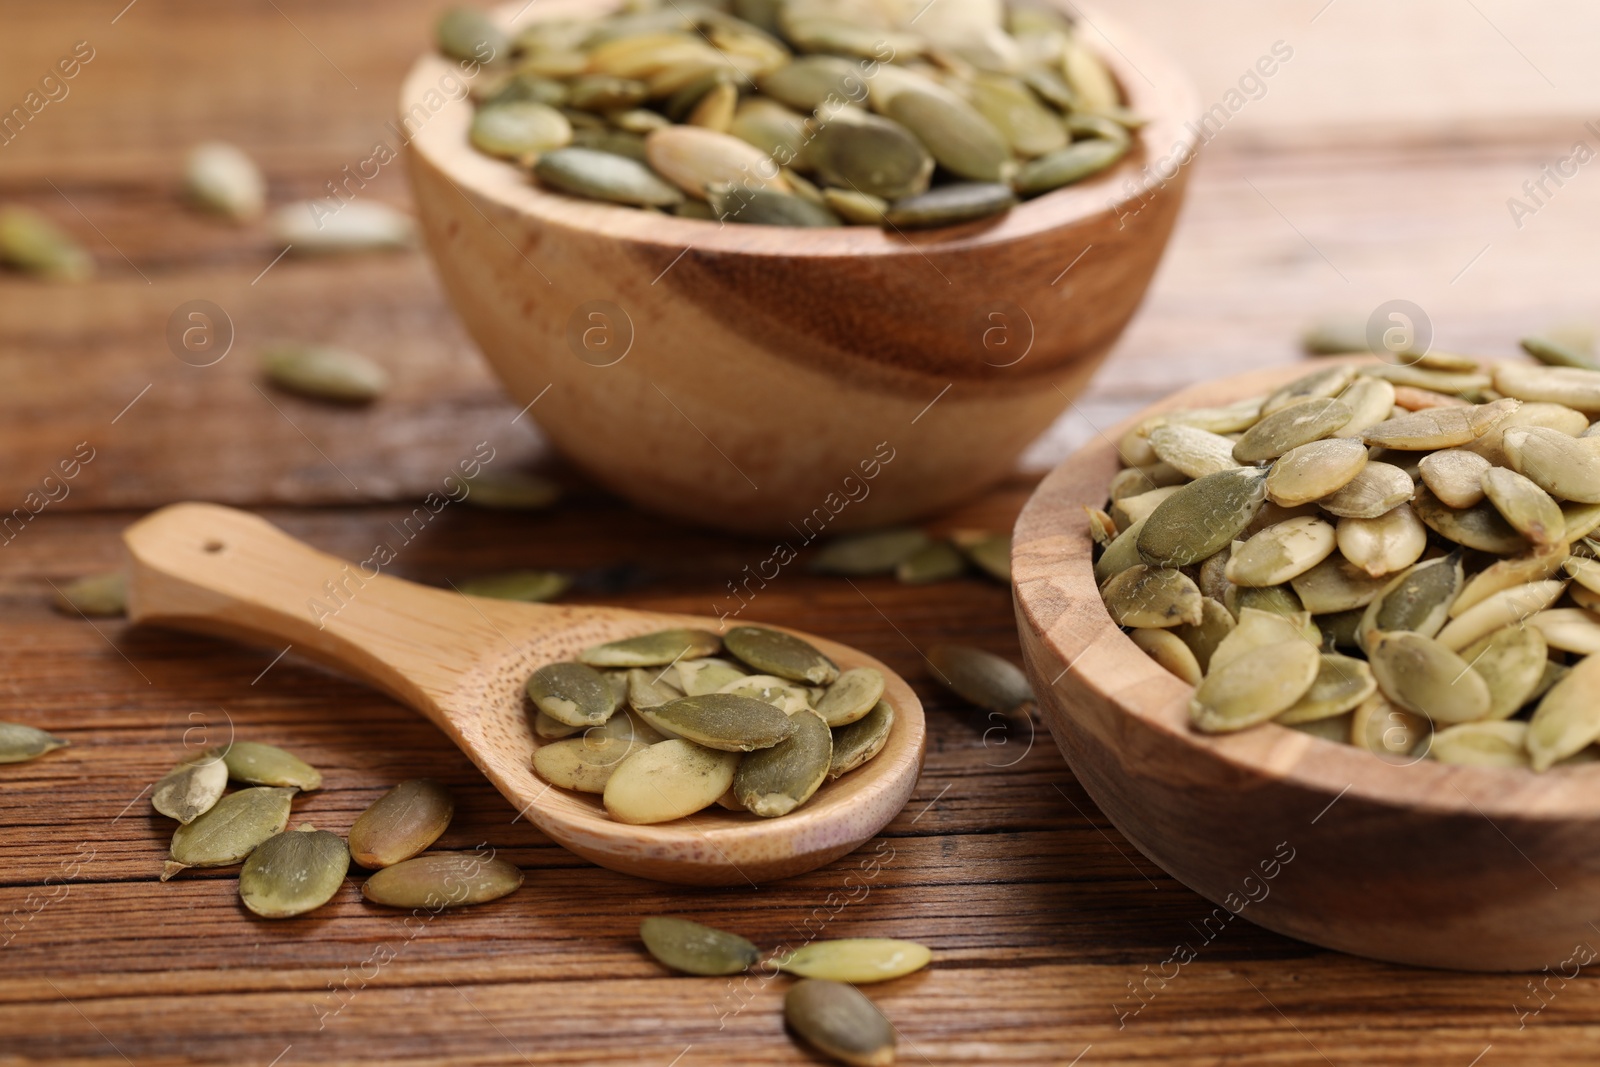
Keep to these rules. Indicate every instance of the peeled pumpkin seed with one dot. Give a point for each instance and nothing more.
(1567, 719)
(1412, 399)
(549, 729)
(851, 696)
(1511, 663)
(867, 554)
(519, 130)
(358, 226)
(1532, 413)
(1377, 489)
(1482, 744)
(1147, 596)
(437, 880)
(1370, 400)
(1382, 727)
(1479, 527)
(1315, 470)
(1067, 166)
(230, 831)
(1342, 684)
(1334, 729)
(403, 822)
(861, 740)
(670, 780)
(1455, 476)
(723, 721)
(1508, 607)
(220, 178)
(781, 694)
(254, 763)
(1569, 629)
(1537, 566)
(1170, 652)
(1388, 543)
(1318, 385)
(981, 678)
(324, 373)
(939, 562)
(627, 726)
(1132, 509)
(840, 1022)
(190, 789)
(1416, 600)
(294, 872)
(511, 491)
(856, 960)
(649, 688)
(1280, 552)
(955, 133)
(695, 949)
(1203, 518)
(1444, 427)
(775, 652)
(1339, 628)
(1555, 351)
(1422, 375)
(1582, 519)
(1120, 554)
(1010, 106)
(1577, 388)
(1216, 623)
(989, 552)
(19, 743)
(774, 781)
(1229, 418)
(697, 677)
(856, 208)
(870, 154)
(96, 595)
(536, 587)
(466, 33)
(696, 159)
(653, 649)
(1277, 599)
(1566, 467)
(1257, 686)
(776, 130)
(1275, 434)
(31, 243)
(767, 207)
(949, 205)
(810, 81)
(573, 693)
(583, 764)
(599, 175)
(1194, 451)
(1424, 677)
(1258, 629)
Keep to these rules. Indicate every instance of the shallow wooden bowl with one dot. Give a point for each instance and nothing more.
(747, 376)
(1408, 861)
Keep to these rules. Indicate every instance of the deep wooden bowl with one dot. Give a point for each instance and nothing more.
(1408, 861)
(745, 376)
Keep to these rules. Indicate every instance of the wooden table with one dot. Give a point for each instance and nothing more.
(1347, 183)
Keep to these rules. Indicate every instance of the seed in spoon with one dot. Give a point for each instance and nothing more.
(442, 880)
(774, 781)
(669, 780)
(191, 789)
(723, 721)
(775, 652)
(401, 823)
(530, 586)
(294, 872)
(695, 949)
(852, 695)
(654, 649)
(231, 830)
(573, 693)
(583, 764)
(857, 960)
(839, 1021)
(19, 743)
(254, 763)
(855, 744)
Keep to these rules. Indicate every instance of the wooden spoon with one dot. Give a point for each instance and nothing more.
(462, 662)
(1407, 860)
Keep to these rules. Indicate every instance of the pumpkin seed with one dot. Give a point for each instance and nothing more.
(31, 243)
(1418, 599)
(840, 1022)
(811, 81)
(1132, 509)
(766, 207)
(290, 874)
(1121, 553)
(1419, 375)
(938, 562)
(1334, 729)
(694, 949)
(627, 726)
(1277, 599)
(870, 154)
(981, 678)
(955, 133)
(863, 555)
(403, 822)
(1378, 489)
(254, 763)
(1308, 421)
(1029, 127)
(1410, 398)
(1566, 467)
(1569, 629)
(1586, 572)
(511, 491)
(857, 960)
(1279, 553)
(672, 779)
(1204, 517)
(776, 130)
(781, 694)
(230, 831)
(1505, 608)
(530, 586)
(1342, 684)
(465, 33)
(1258, 629)
(1455, 476)
(1482, 744)
(1479, 527)
(653, 649)
(775, 652)
(190, 789)
(697, 677)
(1318, 385)
(1152, 597)
(96, 595)
(1582, 519)
(1194, 451)
(649, 688)
(1339, 628)
(1067, 166)
(1316, 470)
(1444, 427)
(852, 695)
(1542, 563)
(949, 205)
(1391, 542)
(774, 781)
(519, 130)
(1255, 687)
(1568, 717)
(629, 146)
(220, 178)
(584, 763)
(989, 552)
(696, 159)
(1559, 352)
(1526, 507)
(1382, 727)
(606, 176)
(358, 226)
(855, 207)
(1370, 400)
(572, 693)
(1336, 337)
(723, 721)
(549, 729)
(1511, 662)
(1216, 623)
(324, 373)
(1552, 416)
(1170, 652)
(1422, 676)
(437, 880)
(1573, 387)
(861, 740)
(19, 743)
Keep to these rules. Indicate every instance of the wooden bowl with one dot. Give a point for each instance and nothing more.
(1408, 861)
(750, 377)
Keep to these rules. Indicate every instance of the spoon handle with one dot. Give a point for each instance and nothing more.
(217, 570)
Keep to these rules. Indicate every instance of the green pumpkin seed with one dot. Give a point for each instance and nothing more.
(1532, 413)
(436, 880)
(1339, 628)
(33, 244)
(1441, 427)
(292, 873)
(1308, 421)
(1216, 623)
(1568, 717)
(324, 373)
(254, 763)
(1386, 729)
(811, 81)
(1093, 86)
(1147, 596)
(1455, 476)
(839, 1021)
(955, 133)
(1566, 467)
(1120, 554)
(1257, 686)
(950, 205)
(1170, 652)
(584, 763)
(1318, 385)
(1277, 599)
(1030, 128)
(1424, 677)
(1526, 507)
(939, 562)
(653, 649)
(627, 726)
(629, 146)
(1391, 542)
(1194, 451)
(861, 740)
(774, 781)
(1257, 629)
(1558, 352)
(1569, 629)
(852, 695)
(1342, 684)
(1479, 527)
(697, 677)
(694, 949)
(723, 721)
(1229, 418)
(1573, 387)
(1281, 552)
(230, 831)
(524, 85)
(650, 688)
(766, 207)
(466, 33)
(776, 130)
(1419, 375)
(1336, 585)
(605, 92)
(1132, 509)
(358, 226)
(855, 207)
(857, 960)
(403, 822)
(671, 780)
(548, 729)
(862, 555)
(989, 552)
(775, 652)
(519, 130)
(637, 120)
(220, 178)
(697, 160)
(1370, 400)
(781, 694)
(97, 595)
(1378, 489)
(1317, 470)
(1482, 744)
(530, 586)
(1539, 565)
(1067, 166)
(511, 491)
(190, 789)
(981, 678)
(572, 693)
(1418, 599)
(1511, 663)
(606, 176)
(19, 743)
(1203, 518)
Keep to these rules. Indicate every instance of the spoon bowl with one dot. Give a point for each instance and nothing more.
(462, 661)
(1411, 860)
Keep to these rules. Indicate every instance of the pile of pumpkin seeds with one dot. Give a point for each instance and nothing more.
(1397, 556)
(798, 112)
(824, 1008)
(286, 873)
(662, 726)
(916, 557)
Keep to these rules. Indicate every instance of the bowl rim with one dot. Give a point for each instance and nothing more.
(1155, 85)
(1058, 599)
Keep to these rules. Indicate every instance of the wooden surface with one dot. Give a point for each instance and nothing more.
(1377, 165)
